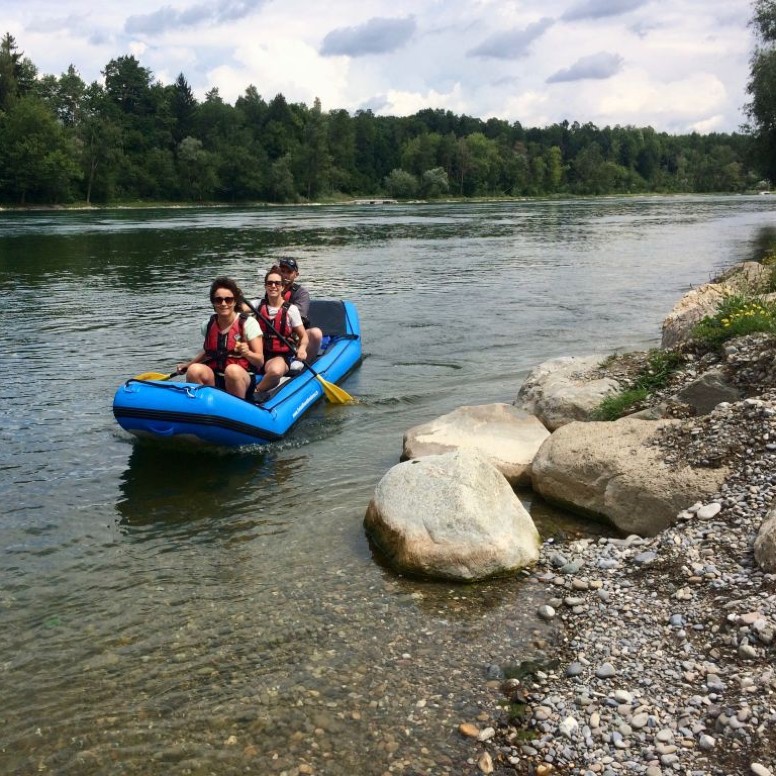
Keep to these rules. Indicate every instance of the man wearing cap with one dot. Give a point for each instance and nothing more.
(300, 296)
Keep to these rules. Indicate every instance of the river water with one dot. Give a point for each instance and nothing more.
(196, 612)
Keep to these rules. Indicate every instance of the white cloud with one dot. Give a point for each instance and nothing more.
(686, 66)
(406, 103)
(288, 66)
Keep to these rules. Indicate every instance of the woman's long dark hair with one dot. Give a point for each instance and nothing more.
(224, 282)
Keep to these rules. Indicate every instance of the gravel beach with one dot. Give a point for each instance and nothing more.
(666, 653)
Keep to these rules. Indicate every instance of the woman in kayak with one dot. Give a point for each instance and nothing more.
(282, 327)
(232, 351)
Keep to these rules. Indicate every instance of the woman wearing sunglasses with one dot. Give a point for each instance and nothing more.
(278, 317)
(232, 350)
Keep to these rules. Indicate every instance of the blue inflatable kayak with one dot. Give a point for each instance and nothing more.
(177, 410)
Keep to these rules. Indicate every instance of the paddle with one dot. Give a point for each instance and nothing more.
(154, 376)
(333, 393)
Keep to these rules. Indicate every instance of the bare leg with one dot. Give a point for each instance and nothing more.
(314, 337)
(201, 374)
(236, 380)
(274, 369)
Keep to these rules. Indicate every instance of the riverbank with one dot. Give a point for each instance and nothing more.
(666, 645)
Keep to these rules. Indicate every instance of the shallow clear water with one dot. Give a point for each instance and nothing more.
(220, 612)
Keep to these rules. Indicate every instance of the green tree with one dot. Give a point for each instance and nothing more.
(37, 157)
(401, 184)
(342, 147)
(554, 169)
(312, 160)
(183, 108)
(99, 139)
(197, 168)
(11, 71)
(281, 181)
(762, 85)
(434, 183)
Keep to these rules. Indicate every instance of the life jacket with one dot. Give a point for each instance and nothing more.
(218, 347)
(273, 345)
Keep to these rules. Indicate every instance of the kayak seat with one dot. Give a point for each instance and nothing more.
(329, 316)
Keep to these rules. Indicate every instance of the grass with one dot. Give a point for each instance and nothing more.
(661, 364)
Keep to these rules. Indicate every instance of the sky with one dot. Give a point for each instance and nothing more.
(675, 65)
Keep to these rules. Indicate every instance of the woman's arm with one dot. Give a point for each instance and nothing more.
(301, 348)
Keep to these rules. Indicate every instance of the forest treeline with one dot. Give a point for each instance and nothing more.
(132, 138)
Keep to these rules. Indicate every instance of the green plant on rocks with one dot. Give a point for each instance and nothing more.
(737, 316)
(657, 371)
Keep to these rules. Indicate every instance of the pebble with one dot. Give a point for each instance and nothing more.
(605, 671)
(686, 617)
(546, 612)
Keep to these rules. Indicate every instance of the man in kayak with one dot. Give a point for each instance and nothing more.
(297, 294)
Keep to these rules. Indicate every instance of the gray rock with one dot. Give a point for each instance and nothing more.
(507, 436)
(451, 516)
(558, 392)
(709, 390)
(765, 544)
(611, 471)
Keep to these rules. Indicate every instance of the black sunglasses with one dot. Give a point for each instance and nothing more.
(273, 282)
(223, 299)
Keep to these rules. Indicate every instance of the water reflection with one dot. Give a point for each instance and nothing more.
(192, 492)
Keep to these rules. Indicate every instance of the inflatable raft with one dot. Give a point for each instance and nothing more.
(162, 409)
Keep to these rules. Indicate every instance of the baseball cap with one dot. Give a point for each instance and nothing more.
(287, 261)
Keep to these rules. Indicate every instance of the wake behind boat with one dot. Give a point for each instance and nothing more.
(163, 409)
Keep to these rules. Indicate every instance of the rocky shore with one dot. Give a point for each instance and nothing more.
(666, 654)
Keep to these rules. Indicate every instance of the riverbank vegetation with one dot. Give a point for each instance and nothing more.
(131, 138)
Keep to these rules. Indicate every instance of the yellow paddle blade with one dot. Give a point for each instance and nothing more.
(334, 393)
(153, 376)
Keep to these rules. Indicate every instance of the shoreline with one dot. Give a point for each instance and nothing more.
(666, 645)
(378, 201)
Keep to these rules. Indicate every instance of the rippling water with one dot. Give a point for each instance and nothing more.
(169, 611)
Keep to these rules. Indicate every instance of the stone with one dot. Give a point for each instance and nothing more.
(765, 543)
(451, 516)
(707, 511)
(611, 471)
(546, 612)
(709, 390)
(485, 763)
(509, 437)
(558, 392)
(605, 671)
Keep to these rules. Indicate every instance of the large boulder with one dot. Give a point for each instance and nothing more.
(612, 471)
(765, 543)
(451, 516)
(747, 277)
(509, 437)
(561, 390)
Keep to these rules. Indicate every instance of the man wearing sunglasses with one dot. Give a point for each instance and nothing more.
(297, 294)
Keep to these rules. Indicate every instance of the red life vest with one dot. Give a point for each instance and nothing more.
(218, 347)
(273, 345)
